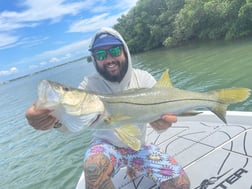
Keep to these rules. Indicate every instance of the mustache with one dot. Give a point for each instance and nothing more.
(112, 63)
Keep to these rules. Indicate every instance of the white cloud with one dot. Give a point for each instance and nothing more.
(8, 72)
(64, 50)
(38, 11)
(35, 12)
(94, 23)
(67, 56)
(43, 63)
(54, 60)
(102, 16)
(60, 55)
(7, 40)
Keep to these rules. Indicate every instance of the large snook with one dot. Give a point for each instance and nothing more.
(78, 109)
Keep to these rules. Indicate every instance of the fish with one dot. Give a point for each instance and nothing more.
(79, 109)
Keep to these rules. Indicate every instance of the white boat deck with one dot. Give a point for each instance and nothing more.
(213, 154)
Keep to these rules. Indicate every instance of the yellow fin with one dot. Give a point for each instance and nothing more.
(233, 95)
(164, 80)
(115, 118)
(229, 96)
(128, 134)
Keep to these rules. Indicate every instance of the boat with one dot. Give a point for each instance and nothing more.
(213, 154)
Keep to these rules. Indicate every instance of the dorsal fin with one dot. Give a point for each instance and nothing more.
(164, 80)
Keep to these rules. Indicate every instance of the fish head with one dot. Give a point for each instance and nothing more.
(49, 94)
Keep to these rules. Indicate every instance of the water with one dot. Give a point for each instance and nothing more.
(50, 159)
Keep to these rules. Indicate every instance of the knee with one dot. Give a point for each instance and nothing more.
(97, 165)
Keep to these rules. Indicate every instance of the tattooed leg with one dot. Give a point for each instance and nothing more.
(98, 169)
(181, 182)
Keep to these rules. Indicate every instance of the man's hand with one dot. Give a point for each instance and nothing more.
(164, 122)
(40, 119)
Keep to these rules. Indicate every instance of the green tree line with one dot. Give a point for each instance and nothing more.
(156, 23)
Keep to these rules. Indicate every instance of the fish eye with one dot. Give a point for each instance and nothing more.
(66, 88)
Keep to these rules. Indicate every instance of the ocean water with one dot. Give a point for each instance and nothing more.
(50, 159)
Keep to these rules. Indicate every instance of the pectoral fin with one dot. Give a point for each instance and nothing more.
(189, 113)
(128, 134)
(115, 118)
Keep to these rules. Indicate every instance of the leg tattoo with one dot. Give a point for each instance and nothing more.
(181, 182)
(98, 169)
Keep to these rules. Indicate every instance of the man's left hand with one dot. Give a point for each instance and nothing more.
(164, 122)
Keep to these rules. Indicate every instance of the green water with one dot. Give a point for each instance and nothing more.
(49, 159)
(204, 66)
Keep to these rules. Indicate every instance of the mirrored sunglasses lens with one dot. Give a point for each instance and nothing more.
(100, 55)
(115, 51)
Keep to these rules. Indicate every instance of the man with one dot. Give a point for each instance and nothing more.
(107, 154)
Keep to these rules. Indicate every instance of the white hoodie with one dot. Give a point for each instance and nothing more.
(134, 78)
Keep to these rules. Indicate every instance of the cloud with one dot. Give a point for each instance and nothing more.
(60, 55)
(65, 51)
(31, 15)
(38, 11)
(54, 60)
(7, 40)
(34, 13)
(103, 16)
(94, 23)
(8, 72)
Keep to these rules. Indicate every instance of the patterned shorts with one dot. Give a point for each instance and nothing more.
(149, 160)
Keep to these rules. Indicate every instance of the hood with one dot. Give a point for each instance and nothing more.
(115, 86)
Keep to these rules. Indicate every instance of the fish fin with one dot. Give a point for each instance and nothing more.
(233, 95)
(72, 122)
(164, 80)
(128, 134)
(220, 111)
(115, 118)
(189, 113)
(72, 110)
(226, 97)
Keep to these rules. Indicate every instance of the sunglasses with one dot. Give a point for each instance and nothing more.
(103, 53)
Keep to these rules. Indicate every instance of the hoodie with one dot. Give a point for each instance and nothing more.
(134, 78)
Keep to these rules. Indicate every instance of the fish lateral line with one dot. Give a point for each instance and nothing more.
(168, 101)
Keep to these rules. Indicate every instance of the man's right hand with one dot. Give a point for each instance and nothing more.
(40, 119)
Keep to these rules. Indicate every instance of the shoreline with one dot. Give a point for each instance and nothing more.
(43, 70)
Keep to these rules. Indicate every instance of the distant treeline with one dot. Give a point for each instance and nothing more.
(156, 23)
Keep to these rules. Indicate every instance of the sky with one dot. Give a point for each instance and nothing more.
(35, 35)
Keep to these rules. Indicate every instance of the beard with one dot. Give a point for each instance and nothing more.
(123, 67)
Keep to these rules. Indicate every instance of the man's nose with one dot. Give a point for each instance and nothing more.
(109, 57)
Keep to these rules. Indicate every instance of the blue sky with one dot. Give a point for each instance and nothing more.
(35, 35)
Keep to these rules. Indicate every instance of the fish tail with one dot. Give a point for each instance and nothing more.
(226, 97)
(128, 134)
(233, 95)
